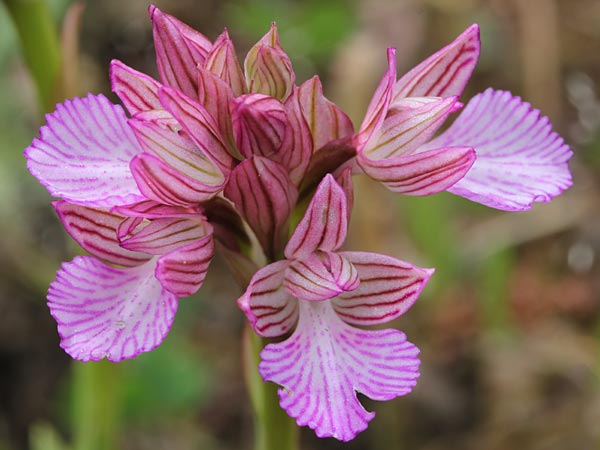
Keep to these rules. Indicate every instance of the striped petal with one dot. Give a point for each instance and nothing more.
(326, 362)
(265, 197)
(410, 125)
(320, 277)
(164, 184)
(388, 288)
(259, 124)
(182, 271)
(109, 312)
(96, 231)
(325, 223)
(137, 91)
(296, 149)
(268, 68)
(179, 50)
(199, 124)
(327, 122)
(223, 62)
(83, 153)
(379, 105)
(270, 309)
(149, 209)
(446, 72)
(425, 173)
(178, 151)
(344, 179)
(162, 236)
(214, 94)
(520, 159)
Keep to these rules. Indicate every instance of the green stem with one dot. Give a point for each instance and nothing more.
(40, 45)
(95, 405)
(273, 429)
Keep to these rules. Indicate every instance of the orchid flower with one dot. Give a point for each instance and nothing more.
(321, 294)
(499, 152)
(216, 151)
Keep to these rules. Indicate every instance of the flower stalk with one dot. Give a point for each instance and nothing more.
(96, 403)
(273, 428)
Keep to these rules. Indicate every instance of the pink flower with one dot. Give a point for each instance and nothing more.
(319, 294)
(499, 151)
(213, 146)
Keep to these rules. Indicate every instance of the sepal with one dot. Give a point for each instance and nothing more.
(259, 124)
(223, 62)
(326, 121)
(265, 197)
(137, 91)
(268, 68)
(179, 50)
(325, 223)
(446, 72)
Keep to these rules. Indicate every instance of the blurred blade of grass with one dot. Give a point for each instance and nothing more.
(429, 221)
(493, 280)
(43, 436)
(40, 46)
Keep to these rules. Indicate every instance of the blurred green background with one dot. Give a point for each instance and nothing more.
(509, 327)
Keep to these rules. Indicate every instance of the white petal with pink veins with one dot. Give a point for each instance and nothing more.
(109, 312)
(83, 153)
(326, 362)
(520, 159)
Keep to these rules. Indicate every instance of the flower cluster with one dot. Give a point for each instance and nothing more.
(214, 150)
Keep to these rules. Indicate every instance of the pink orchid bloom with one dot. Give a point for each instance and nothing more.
(499, 152)
(121, 301)
(320, 293)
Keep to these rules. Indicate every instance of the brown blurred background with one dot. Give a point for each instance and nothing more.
(509, 327)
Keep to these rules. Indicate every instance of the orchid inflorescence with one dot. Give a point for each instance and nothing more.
(216, 156)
